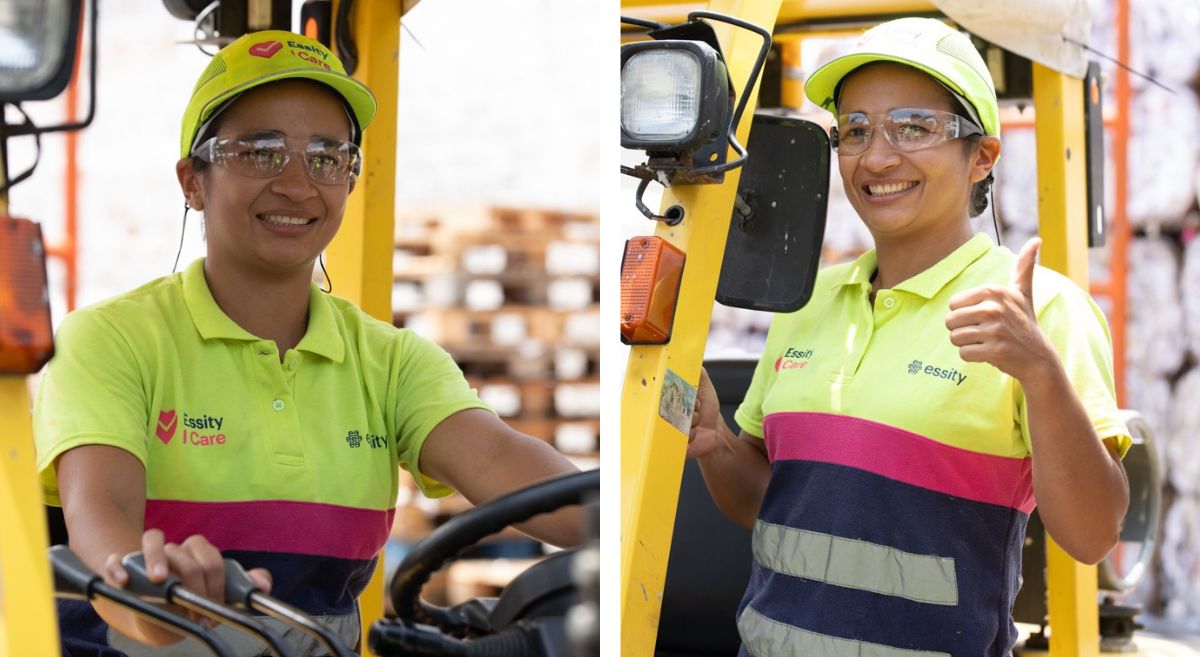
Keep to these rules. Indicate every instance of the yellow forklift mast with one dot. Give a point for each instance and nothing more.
(652, 449)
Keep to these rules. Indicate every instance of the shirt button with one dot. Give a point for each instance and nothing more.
(888, 302)
(277, 405)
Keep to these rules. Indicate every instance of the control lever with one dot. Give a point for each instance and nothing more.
(172, 591)
(74, 580)
(241, 591)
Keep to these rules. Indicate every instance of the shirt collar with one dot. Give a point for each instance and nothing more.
(927, 283)
(322, 337)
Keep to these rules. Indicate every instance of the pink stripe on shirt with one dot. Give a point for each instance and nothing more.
(901, 456)
(311, 528)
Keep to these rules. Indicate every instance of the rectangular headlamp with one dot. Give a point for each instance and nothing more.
(37, 47)
(675, 96)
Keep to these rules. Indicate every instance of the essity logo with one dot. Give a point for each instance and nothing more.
(167, 423)
(356, 439)
(917, 367)
(199, 430)
(265, 49)
(793, 359)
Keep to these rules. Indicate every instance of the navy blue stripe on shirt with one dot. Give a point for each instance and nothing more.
(983, 539)
(317, 585)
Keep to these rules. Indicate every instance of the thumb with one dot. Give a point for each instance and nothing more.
(1023, 268)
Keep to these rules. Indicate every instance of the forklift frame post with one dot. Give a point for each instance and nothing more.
(28, 622)
(1062, 224)
(360, 256)
(652, 450)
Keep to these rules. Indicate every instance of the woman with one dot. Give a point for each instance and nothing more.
(235, 410)
(899, 427)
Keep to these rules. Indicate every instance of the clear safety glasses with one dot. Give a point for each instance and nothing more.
(264, 154)
(906, 129)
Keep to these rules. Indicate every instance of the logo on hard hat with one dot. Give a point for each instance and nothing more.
(266, 49)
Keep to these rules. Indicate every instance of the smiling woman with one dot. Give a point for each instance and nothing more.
(947, 385)
(267, 213)
(233, 409)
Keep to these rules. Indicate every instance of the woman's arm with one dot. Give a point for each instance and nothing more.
(102, 489)
(735, 468)
(479, 455)
(1081, 489)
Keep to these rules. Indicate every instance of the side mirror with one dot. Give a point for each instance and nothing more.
(774, 244)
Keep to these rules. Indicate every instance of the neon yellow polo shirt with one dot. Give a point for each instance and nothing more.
(894, 363)
(292, 465)
(901, 476)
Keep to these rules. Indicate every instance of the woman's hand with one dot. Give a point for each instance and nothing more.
(195, 562)
(997, 324)
(705, 435)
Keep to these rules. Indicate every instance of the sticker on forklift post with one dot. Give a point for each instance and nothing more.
(677, 401)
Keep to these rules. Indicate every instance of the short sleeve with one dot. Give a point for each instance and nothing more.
(749, 414)
(430, 388)
(1078, 331)
(91, 394)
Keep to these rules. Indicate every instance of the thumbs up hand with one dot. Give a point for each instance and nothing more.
(996, 323)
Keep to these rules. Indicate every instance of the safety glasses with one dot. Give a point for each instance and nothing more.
(264, 154)
(906, 129)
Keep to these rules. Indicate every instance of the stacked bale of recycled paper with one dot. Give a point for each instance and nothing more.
(1164, 273)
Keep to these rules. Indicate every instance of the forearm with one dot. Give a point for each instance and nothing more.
(481, 456)
(736, 473)
(1082, 493)
(522, 462)
(98, 530)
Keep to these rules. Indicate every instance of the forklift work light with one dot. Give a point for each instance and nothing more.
(678, 104)
(651, 272)
(26, 340)
(674, 96)
(37, 48)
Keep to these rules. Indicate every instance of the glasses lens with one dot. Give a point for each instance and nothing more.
(257, 157)
(330, 162)
(914, 129)
(854, 133)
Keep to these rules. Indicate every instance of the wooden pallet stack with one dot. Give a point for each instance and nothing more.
(513, 295)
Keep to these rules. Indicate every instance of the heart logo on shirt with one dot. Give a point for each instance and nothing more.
(167, 421)
(265, 49)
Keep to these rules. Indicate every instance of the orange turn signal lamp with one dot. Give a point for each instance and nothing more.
(26, 339)
(651, 272)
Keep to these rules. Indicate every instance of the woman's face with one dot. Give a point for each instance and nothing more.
(904, 194)
(279, 224)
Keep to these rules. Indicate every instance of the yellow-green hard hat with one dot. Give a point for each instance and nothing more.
(269, 56)
(926, 44)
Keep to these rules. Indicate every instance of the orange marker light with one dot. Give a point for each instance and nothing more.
(26, 339)
(650, 275)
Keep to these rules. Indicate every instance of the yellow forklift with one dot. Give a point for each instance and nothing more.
(721, 233)
(43, 41)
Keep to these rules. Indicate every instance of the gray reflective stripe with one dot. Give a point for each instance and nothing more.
(763, 637)
(855, 564)
(347, 627)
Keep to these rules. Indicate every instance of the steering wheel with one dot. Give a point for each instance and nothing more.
(546, 579)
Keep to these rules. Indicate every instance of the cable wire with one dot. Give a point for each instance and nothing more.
(182, 232)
